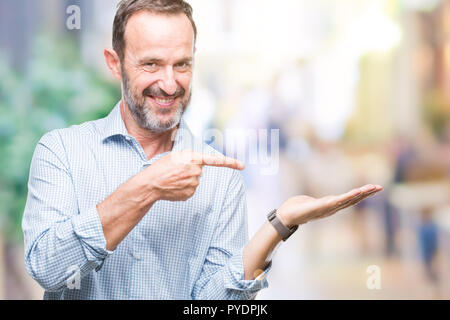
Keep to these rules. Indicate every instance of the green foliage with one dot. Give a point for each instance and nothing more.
(56, 91)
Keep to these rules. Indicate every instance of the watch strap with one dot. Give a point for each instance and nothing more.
(283, 230)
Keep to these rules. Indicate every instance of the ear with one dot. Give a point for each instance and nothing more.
(113, 62)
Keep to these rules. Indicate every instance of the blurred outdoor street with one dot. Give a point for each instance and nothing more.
(354, 92)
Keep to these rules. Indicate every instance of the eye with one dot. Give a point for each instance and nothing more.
(183, 66)
(150, 66)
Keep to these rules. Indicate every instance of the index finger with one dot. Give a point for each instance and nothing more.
(217, 161)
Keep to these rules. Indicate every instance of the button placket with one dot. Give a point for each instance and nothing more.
(134, 247)
(136, 255)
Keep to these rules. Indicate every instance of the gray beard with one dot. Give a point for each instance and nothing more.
(145, 117)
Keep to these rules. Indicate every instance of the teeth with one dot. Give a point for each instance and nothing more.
(164, 101)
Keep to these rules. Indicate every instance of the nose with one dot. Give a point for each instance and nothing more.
(168, 83)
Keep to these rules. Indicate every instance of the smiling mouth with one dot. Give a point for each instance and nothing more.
(163, 102)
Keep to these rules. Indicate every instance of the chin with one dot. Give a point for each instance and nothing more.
(163, 125)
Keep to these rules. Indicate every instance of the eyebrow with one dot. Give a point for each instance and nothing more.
(146, 60)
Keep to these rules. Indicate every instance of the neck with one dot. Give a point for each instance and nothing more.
(152, 143)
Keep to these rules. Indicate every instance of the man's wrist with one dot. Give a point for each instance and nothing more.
(136, 193)
(146, 189)
(285, 219)
(283, 229)
(150, 196)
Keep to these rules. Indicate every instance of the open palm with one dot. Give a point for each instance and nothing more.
(302, 209)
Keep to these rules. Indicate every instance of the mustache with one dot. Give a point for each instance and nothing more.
(152, 91)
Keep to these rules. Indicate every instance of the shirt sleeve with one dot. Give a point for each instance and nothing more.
(59, 238)
(222, 276)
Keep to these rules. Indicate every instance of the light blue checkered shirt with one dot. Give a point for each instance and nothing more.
(180, 250)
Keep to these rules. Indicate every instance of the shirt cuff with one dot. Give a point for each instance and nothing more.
(88, 228)
(235, 276)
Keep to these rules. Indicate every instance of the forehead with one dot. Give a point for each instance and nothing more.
(149, 33)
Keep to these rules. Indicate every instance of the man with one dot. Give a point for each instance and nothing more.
(132, 206)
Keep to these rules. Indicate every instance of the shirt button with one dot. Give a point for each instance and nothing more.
(136, 255)
(127, 138)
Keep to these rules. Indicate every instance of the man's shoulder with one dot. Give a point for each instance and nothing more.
(84, 132)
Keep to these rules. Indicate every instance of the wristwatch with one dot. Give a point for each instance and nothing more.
(284, 231)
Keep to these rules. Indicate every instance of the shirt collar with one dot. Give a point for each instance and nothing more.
(115, 126)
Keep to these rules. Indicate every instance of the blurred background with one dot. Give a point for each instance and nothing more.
(359, 89)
